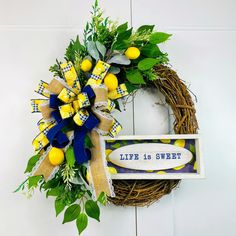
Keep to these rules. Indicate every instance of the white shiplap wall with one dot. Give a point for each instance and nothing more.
(202, 50)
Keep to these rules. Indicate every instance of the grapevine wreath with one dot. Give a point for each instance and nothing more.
(111, 64)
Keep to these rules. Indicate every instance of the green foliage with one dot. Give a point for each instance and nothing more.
(92, 209)
(159, 37)
(33, 181)
(59, 205)
(71, 213)
(117, 105)
(92, 50)
(31, 163)
(100, 29)
(151, 50)
(55, 69)
(131, 87)
(119, 59)
(122, 28)
(75, 50)
(145, 29)
(21, 186)
(68, 174)
(70, 156)
(82, 222)
(102, 198)
(147, 64)
(134, 76)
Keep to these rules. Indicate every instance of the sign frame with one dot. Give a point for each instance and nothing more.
(199, 159)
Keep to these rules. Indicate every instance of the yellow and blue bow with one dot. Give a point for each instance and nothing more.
(84, 109)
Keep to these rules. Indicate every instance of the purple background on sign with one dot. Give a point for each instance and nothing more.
(187, 168)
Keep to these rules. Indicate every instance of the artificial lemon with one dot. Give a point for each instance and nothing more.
(132, 53)
(111, 81)
(88, 176)
(86, 65)
(56, 156)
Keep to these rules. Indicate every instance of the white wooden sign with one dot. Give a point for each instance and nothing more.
(153, 157)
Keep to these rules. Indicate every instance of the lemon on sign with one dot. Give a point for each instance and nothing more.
(86, 65)
(56, 156)
(112, 170)
(132, 53)
(111, 81)
(180, 143)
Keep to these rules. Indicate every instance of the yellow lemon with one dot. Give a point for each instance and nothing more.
(112, 170)
(56, 156)
(180, 143)
(132, 53)
(86, 65)
(161, 172)
(111, 81)
(88, 177)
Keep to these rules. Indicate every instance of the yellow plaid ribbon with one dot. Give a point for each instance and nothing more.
(70, 76)
(119, 92)
(36, 104)
(42, 89)
(99, 72)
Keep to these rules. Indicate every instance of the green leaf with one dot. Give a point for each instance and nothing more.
(92, 209)
(31, 163)
(59, 206)
(120, 45)
(151, 50)
(101, 48)
(159, 37)
(82, 222)
(119, 59)
(70, 156)
(124, 35)
(51, 183)
(21, 186)
(145, 28)
(71, 213)
(147, 64)
(117, 105)
(92, 50)
(88, 143)
(102, 198)
(54, 191)
(114, 70)
(122, 28)
(134, 76)
(73, 49)
(34, 180)
(130, 87)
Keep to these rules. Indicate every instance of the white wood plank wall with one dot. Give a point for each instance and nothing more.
(202, 50)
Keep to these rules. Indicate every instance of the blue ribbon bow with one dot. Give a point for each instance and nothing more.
(58, 139)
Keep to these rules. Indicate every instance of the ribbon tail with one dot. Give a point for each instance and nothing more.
(100, 178)
(45, 168)
(82, 154)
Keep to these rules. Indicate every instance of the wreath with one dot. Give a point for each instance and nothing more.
(111, 64)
